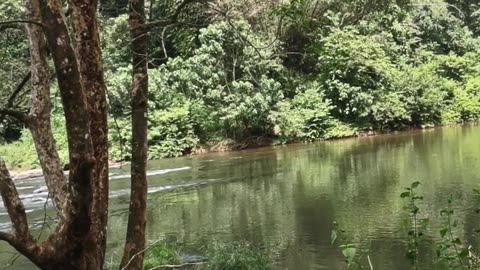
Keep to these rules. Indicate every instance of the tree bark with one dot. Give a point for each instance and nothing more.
(77, 242)
(40, 110)
(68, 246)
(87, 45)
(135, 241)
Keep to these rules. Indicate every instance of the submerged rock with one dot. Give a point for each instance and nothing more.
(192, 259)
(41, 189)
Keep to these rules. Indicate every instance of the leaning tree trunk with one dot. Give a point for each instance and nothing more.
(39, 124)
(135, 241)
(78, 240)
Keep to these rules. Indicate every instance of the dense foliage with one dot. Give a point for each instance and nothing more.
(281, 71)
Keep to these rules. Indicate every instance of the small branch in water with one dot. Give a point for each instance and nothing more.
(370, 262)
(173, 266)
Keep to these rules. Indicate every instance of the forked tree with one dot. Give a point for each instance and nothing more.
(81, 199)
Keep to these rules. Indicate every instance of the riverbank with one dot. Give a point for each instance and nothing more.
(229, 145)
(258, 142)
(21, 175)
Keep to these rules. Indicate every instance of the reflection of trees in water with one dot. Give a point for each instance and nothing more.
(288, 196)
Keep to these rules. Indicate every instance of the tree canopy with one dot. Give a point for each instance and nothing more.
(249, 72)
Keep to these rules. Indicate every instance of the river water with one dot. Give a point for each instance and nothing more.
(286, 198)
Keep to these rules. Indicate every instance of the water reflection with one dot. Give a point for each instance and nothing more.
(287, 197)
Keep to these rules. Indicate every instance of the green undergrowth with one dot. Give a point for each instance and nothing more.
(217, 256)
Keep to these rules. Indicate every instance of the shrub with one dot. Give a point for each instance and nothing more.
(423, 93)
(171, 133)
(355, 70)
(305, 117)
(339, 129)
(234, 82)
(237, 256)
(161, 254)
(120, 137)
(20, 154)
(467, 100)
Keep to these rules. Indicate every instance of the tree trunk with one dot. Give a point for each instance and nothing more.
(87, 43)
(78, 242)
(40, 110)
(135, 241)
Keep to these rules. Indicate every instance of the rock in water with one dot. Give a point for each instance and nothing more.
(192, 258)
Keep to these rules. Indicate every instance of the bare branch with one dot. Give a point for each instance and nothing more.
(9, 238)
(15, 93)
(20, 116)
(13, 204)
(176, 266)
(21, 21)
(19, 88)
(22, 240)
(12, 201)
(172, 20)
(15, 26)
(181, 7)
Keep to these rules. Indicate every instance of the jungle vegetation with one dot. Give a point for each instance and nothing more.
(236, 74)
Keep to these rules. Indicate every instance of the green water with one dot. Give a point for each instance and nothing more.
(287, 197)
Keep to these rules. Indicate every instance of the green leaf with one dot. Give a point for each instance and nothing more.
(443, 232)
(463, 254)
(333, 237)
(424, 223)
(415, 184)
(349, 254)
(457, 241)
(405, 194)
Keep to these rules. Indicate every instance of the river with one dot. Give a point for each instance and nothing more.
(287, 197)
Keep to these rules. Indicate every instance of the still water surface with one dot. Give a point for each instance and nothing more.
(287, 197)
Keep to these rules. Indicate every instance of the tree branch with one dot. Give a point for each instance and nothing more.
(181, 7)
(13, 204)
(172, 20)
(9, 238)
(20, 116)
(22, 240)
(15, 93)
(15, 26)
(176, 266)
(21, 21)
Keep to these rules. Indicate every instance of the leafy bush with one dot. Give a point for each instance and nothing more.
(390, 112)
(234, 82)
(162, 254)
(237, 256)
(21, 154)
(120, 137)
(423, 93)
(330, 71)
(356, 72)
(170, 125)
(339, 129)
(467, 100)
(115, 32)
(171, 133)
(305, 117)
